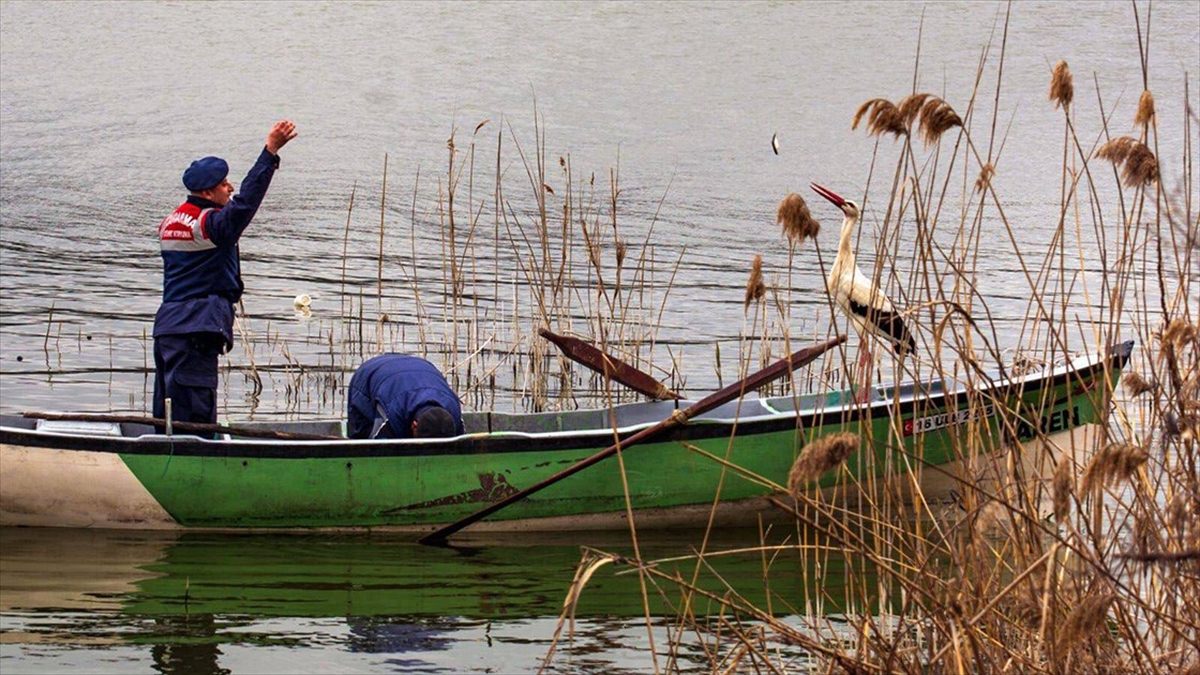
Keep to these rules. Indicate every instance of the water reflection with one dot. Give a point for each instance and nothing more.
(195, 602)
(186, 645)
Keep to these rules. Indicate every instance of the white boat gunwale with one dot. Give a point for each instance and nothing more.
(502, 441)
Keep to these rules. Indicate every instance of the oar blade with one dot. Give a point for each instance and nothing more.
(587, 355)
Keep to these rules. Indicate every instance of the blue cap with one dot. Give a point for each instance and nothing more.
(205, 173)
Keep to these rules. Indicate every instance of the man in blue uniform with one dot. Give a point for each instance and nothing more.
(202, 278)
(399, 396)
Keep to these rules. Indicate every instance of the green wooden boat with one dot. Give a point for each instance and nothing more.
(929, 435)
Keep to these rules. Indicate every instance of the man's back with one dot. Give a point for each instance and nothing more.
(396, 385)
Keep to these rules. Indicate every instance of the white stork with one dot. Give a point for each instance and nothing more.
(869, 309)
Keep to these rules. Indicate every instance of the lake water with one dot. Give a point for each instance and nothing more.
(103, 104)
(105, 601)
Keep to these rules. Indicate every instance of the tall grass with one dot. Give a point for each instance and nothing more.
(1081, 555)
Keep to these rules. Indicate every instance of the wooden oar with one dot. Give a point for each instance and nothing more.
(679, 417)
(194, 427)
(581, 352)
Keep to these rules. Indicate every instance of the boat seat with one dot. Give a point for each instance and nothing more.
(79, 427)
(316, 427)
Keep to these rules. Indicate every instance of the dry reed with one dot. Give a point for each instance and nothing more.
(883, 117)
(991, 519)
(937, 117)
(1145, 109)
(924, 595)
(1136, 385)
(910, 107)
(1178, 333)
(1031, 595)
(1116, 462)
(1138, 164)
(1062, 87)
(984, 181)
(755, 288)
(1085, 621)
(797, 221)
(820, 456)
(1062, 487)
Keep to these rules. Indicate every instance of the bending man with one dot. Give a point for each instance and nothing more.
(398, 396)
(202, 278)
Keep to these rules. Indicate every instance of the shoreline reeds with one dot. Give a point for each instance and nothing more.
(1083, 559)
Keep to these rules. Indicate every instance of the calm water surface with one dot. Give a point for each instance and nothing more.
(208, 603)
(683, 99)
(101, 107)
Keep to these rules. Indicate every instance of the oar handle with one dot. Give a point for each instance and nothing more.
(677, 418)
(609, 366)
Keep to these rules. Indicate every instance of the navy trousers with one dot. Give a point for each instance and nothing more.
(185, 371)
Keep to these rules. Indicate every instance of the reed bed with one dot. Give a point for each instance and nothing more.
(1084, 558)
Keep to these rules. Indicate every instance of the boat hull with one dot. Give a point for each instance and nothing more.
(933, 444)
(115, 499)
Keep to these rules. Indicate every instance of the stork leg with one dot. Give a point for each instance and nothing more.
(862, 387)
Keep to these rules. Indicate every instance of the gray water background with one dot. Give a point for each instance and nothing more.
(103, 104)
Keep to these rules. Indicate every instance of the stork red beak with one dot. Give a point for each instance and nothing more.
(825, 192)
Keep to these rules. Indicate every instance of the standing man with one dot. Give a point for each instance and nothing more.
(399, 396)
(202, 278)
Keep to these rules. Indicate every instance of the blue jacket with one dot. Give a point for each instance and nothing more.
(399, 385)
(202, 273)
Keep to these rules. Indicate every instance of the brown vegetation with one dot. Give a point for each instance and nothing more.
(797, 221)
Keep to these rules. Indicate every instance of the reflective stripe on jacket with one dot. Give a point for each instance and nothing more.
(202, 272)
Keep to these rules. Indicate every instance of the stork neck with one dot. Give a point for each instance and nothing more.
(846, 243)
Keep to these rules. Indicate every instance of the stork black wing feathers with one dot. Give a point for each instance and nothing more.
(890, 324)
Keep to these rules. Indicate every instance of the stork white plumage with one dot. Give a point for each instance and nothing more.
(867, 306)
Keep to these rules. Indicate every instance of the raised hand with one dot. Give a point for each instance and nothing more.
(279, 135)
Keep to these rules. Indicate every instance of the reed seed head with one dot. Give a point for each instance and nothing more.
(937, 117)
(797, 221)
(910, 107)
(1177, 334)
(1183, 512)
(985, 177)
(1189, 427)
(883, 117)
(1138, 164)
(820, 456)
(1136, 385)
(1085, 620)
(622, 249)
(755, 288)
(1145, 109)
(1062, 87)
(1116, 462)
(1189, 391)
(1062, 486)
